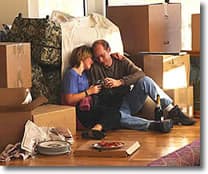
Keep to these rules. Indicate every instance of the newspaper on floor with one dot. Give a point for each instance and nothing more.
(34, 134)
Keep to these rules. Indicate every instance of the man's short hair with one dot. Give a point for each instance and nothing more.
(102, 42)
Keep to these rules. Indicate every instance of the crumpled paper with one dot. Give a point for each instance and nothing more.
(32, 136)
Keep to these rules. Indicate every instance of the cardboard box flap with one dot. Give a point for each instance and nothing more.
(24, 107)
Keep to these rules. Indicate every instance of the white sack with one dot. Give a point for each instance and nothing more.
(85, 30)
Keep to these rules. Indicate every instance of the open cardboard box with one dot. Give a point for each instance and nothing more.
(14, 115)
(13, 119)
(12, 96)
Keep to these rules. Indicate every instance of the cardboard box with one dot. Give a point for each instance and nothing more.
(195, 25)
(55, 116)
(12, 96)
(15, 65)
(183, 97)
(154, 27)
(168, 71)
(13, 119)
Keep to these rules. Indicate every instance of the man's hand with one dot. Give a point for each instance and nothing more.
(117, 56)
(111, 83)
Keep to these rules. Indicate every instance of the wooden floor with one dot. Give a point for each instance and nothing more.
(153, 146)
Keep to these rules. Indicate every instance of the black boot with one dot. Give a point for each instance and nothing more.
(179, 117)
(162, 126)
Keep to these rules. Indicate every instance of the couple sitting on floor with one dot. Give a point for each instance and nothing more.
(101, 89)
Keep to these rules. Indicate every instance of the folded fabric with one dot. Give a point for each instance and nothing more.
(85, 104)
(14, 152)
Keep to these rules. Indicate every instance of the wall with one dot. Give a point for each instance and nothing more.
(72, 7)
(8, 12)
(33, 6)
(97, 6)
(37, 8)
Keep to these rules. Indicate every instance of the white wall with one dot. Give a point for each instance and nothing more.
(72, 7)
(132, 2)
(33, 6)
(9, 9)
(97, 6)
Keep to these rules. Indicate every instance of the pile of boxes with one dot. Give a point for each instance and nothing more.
(152, 36)
(15, 80)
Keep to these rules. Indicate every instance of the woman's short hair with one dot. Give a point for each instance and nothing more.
(78, 54)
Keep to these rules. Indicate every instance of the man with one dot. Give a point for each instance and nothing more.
(118, 77)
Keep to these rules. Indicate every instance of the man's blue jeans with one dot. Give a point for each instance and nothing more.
(135, 100)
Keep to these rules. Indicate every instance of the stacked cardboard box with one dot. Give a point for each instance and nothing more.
(15, 79)
(153, 27)
(168, 71)
(15, 71)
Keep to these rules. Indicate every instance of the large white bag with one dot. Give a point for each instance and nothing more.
(85, 30)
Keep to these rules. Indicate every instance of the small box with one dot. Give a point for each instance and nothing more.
(168, 71)
(15, 65)
(13, 119)
(195, 19)
(55, 116)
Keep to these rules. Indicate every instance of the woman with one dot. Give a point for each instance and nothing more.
(77, 92)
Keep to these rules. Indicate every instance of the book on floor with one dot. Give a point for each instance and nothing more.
(107, 148)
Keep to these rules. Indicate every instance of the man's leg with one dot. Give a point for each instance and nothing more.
(132, 122)
(137, 123)
(147, 87)
(143, 88)
(134, 101)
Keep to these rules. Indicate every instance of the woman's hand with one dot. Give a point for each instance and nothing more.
(94, 89)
